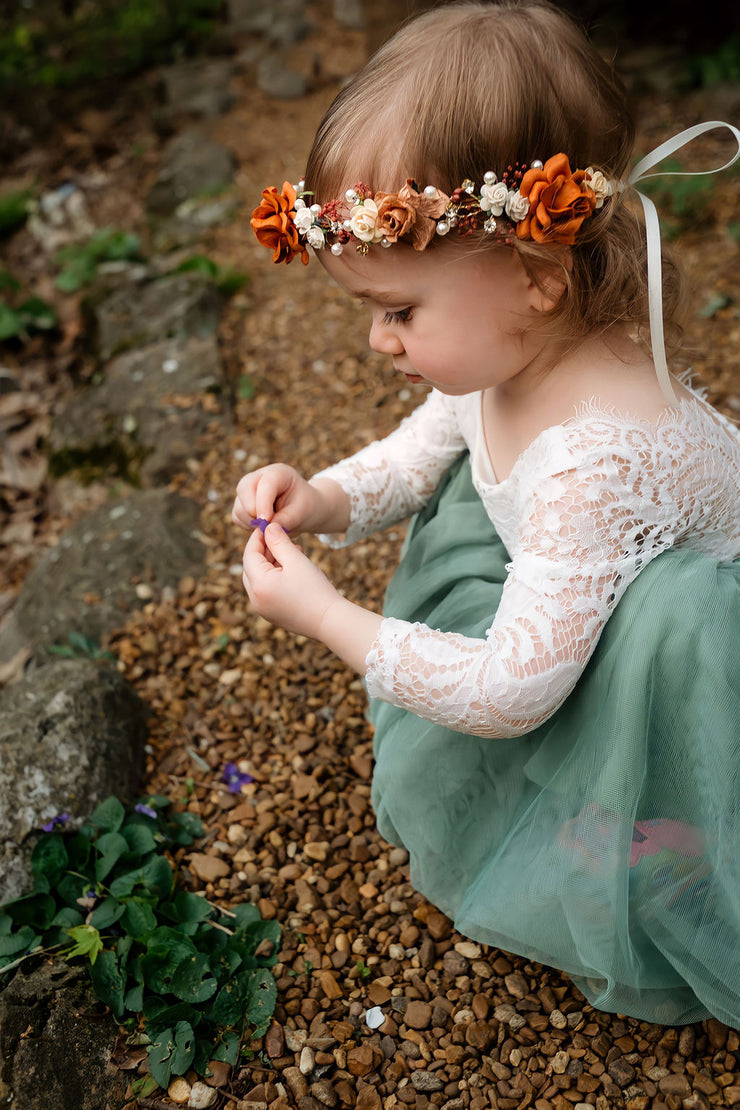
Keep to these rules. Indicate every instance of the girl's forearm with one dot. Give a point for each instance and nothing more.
(349, 631)
(335, 506)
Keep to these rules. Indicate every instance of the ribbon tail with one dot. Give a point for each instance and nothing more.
(655, 297)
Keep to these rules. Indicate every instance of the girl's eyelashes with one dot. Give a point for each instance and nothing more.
(402, 316)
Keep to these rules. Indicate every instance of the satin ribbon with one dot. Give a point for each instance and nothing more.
(652, 233)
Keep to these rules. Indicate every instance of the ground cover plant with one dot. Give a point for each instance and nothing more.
(186, 978)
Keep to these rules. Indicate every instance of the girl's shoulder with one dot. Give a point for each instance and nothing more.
(669, 445)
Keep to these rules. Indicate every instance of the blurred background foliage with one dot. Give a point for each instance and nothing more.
(57, 44)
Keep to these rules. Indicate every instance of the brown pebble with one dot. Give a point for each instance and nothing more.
(418, 1014)
(323, 1091)
(438, 925)
(368, 1099)
(274, 1041)
(675, 1085)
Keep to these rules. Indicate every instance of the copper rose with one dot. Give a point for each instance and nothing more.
(274, 226)
(559, 202)
(410, 214)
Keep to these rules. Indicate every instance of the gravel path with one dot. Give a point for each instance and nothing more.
(381, 1003)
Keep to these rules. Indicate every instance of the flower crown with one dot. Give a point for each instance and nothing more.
(542, 203)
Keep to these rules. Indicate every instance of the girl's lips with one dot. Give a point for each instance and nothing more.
(413, 378)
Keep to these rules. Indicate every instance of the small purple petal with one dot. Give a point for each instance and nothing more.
(234, 778)
(60, 819)
(259, 522)
(147, 811)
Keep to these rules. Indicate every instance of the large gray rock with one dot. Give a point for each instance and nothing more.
(136, 315)
(199, 87)
(137, 417)
(56, 1044)
(106, 564)
(193, 166)
(71, 733)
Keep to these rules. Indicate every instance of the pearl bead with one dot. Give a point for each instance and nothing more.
(299, 204)
(315, 208)
(537, 165)
(351, 196)
(489, 178)
(301, 184)
(442, 227)
(336, 248)
(385, 243)
(347, 225)
(430, 191)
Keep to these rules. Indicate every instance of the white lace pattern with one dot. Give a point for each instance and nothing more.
(587, 505)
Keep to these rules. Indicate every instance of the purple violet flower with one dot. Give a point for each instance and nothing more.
(147, 811)
(58, 821)
(234, 778)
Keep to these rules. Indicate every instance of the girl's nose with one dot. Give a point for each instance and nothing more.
(384, 339)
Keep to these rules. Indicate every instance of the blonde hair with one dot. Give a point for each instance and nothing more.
(472, 87)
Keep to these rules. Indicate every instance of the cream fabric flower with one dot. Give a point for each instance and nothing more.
(363, 218)
(493, 198)
(600, 184)
(517, 206)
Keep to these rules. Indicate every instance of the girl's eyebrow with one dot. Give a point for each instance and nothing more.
(380, 295)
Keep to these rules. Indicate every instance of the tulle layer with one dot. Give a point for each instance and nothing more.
(607, 841)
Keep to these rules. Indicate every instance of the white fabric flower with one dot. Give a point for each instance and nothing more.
(600, 184)
(362, 218)
(517, 206)
(303, 219)
(315, 237)
(493, 198)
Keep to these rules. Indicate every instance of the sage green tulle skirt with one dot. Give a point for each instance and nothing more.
(606, 842)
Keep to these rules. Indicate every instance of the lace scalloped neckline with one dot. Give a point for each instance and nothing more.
(593, 409)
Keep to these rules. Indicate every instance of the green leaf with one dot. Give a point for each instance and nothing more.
(49, 857)
(171, 1053)
(109, 981)
(139, 919)
(189, 825)
(228, 1007)
(107, 913)
(13, 211)
(140, 837)
(192, 981)
(108, 816)
(159, 1015)
(35, 313)
(22, 941)
(10, 322)
(228, 1048)
(157, 876)
(245, 913)
(134, 1000)
(191, 907)
(87, 943)
(6, 924)
(110, 847)
(261, 996)
(36, 909)
(67, 918)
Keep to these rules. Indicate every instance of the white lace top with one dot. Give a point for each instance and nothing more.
(586, 506)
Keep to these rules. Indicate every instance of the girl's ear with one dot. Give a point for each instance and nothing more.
(547, 284)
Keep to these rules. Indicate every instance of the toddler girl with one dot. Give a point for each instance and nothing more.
(555, 683)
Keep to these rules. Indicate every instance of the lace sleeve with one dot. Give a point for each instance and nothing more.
(394, 477)
(583, 536)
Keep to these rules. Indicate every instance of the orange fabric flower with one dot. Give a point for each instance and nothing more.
(559, 202)
(274, 226)
(409, 213)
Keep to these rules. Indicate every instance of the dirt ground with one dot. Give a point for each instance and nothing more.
(463, 1026)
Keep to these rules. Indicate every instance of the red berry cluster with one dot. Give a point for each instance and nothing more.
(513, 175)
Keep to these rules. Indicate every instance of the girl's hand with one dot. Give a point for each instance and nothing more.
(279, 493)
(283, 585)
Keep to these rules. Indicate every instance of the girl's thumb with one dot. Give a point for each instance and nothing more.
(277, 538)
